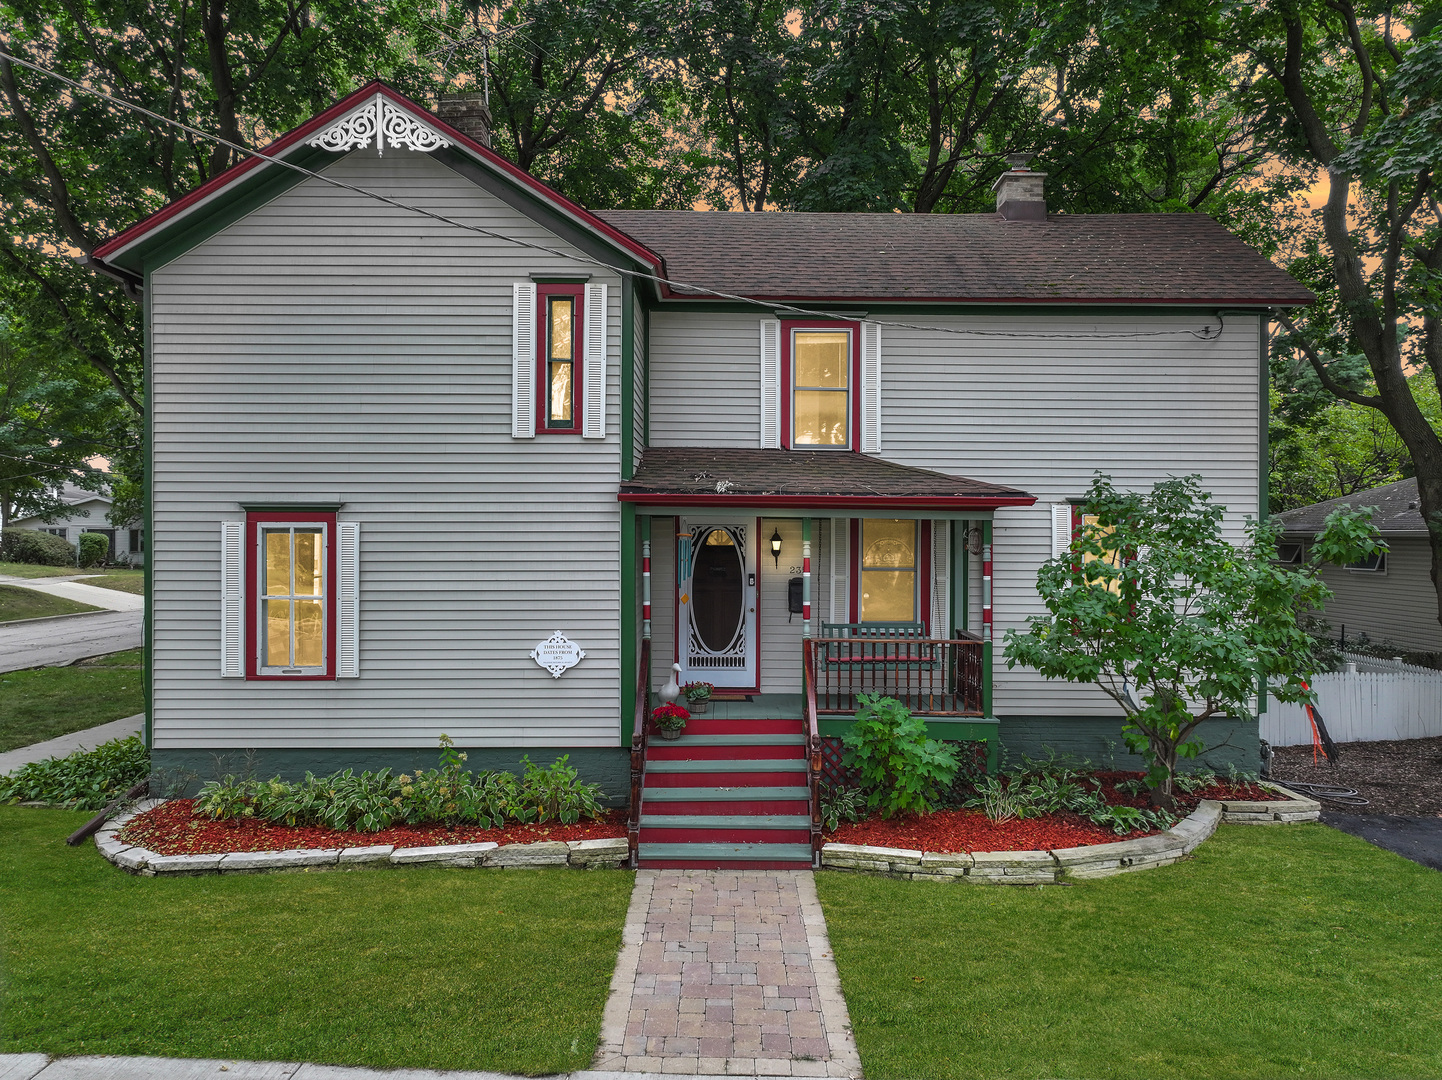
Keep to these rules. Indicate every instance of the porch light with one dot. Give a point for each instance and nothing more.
(776, 546)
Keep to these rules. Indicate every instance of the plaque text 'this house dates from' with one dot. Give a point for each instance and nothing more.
(557, 653)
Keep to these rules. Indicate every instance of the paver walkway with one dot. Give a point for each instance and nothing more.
(726, 972)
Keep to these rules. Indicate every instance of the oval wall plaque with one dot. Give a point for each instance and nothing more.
(557, 653)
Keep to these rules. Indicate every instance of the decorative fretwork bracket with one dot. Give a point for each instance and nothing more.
(380, 120)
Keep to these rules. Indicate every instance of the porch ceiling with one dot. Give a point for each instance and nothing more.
(706, 476)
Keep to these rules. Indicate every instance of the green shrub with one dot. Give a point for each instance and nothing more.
(902, 770)
(1035, 788)
(35, 547)
(840, 804)
(86, 780)
(372, 801)
(94, 547)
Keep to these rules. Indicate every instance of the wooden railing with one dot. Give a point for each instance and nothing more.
(813, 743)
(930, 676)
(638, 748)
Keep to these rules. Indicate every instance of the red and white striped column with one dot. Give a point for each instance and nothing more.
(646, 585)
(986, 581)
(805, 577)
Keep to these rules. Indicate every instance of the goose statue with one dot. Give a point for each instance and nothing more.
(672, 690)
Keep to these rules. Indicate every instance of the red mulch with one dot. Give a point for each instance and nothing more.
(173, 829)
(971, 830)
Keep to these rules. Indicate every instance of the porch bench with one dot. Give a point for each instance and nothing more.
(879, 632)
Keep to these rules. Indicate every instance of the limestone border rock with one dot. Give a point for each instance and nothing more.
(610, 853)
(1077, 863)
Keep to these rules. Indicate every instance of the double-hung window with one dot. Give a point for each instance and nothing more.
(819, 362)
(292, 572)
(559, 319)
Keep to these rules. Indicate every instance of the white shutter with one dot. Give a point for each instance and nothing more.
(347, 593)
(870, 388)
(232, 599)
(593, 409)
(770, 384)
(840, 537)
(1060, 528)
(940, 579)
(523, 361)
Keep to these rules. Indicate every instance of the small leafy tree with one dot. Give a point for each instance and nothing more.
(1175, 623)
(902, 770)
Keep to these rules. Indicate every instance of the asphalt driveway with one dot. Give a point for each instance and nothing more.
(1415, 838)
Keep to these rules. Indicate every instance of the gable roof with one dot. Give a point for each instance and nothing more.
(119, 250)
(971, 258)
(693, 476)
(1397, 512)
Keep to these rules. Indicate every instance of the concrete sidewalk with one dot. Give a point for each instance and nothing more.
(79, 591)
(39, 1067)
(65, 745)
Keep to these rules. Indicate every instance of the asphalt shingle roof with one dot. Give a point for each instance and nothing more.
(1078, 258)
(1397, 514)
(689, 470)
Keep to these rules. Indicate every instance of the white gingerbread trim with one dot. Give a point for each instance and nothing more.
(378, 119)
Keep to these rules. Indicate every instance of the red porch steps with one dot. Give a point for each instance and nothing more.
(728, 794)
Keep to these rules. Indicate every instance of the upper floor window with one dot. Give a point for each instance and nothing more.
(820, 362)
(1375, 563)
(559, 318)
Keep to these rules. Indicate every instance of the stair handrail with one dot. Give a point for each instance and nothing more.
(813, 743)
(638, 750)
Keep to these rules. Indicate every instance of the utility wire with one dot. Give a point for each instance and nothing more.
(1206, 333)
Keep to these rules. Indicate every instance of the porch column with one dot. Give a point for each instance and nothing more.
(646, 578)
(986, 638)
(805, 577)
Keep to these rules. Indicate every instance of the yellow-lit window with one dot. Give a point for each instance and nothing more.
(1087, 523)
(293, 602)
(560, 371)
(888, 570)
(821, 388)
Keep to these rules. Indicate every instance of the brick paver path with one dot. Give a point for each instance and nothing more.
(727, 973)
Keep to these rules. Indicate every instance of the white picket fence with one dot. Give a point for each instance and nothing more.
(1363, 706)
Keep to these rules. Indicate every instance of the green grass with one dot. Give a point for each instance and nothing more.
(131, 581)
(25, 569)
(44, 703)
(417, 967)
(1288, 951)
(21, 603)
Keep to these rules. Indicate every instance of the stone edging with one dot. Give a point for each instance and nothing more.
(585, 854)
(1092, 861)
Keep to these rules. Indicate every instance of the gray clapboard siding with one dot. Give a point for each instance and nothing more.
(331, 345)
(1039, 413)
(638, 375)
(663, 599)
(1399, 605)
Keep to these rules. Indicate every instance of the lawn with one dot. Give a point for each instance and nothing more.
(21, 603)
(1290, 951)
(25, 569)
(414, 967)
(44, 703)
(131, 581)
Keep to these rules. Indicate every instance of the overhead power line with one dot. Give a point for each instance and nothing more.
(1205, 333)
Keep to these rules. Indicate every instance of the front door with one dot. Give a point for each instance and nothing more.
(717, 592)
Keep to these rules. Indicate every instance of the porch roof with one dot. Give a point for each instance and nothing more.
(708, 476)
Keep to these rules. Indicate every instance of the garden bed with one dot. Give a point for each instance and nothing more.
(173, 828)
(950, 831)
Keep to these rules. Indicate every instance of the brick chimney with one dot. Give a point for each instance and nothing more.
(468, 113)
(1020, 194)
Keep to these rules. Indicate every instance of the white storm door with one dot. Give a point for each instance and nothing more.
(716, 589)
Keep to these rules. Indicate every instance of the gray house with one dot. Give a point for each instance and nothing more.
(434, 449)
(89, 512)
(1389, 597)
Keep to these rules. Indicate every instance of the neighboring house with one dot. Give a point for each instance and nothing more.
(87, 512)
(1389, 597)
(392, 454)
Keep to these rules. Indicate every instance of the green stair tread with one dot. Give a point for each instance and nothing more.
(725, 821)
(763, 852)
(729, 765)
(732, 793)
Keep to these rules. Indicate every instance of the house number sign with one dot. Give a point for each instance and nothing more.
(557, 653)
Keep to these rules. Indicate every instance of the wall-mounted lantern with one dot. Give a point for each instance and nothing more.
(776, 546)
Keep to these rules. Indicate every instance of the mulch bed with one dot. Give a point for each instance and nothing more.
(173, 829)
(970, 830)
(1402, 777)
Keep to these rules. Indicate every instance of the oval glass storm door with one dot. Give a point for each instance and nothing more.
(719, 605)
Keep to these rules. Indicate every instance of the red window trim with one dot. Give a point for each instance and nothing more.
(578, 339)
(255, 590)
(853, 386)
(923, 570)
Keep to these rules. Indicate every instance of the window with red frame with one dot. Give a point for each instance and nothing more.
(291, 567)
(559, 318)
(820, 364)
